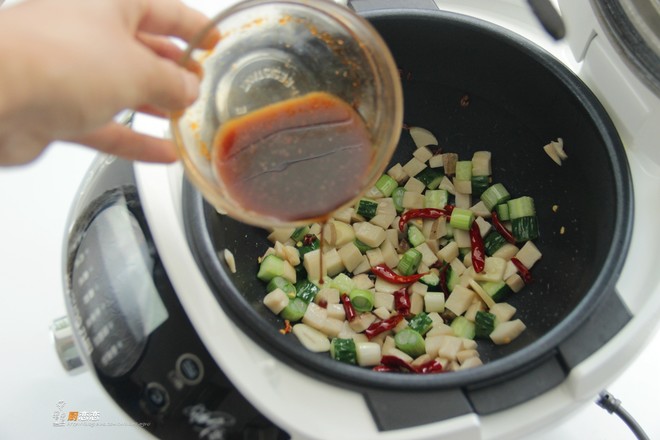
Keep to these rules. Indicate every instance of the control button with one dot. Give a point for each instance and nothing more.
(190, 368)
(156, 397)
(62, 333)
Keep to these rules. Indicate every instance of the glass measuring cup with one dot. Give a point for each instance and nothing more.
(308, 96)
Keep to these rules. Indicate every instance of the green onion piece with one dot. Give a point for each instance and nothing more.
(282, 283)
(343, 350)
(521, 207)
(362, 300)
(503, 212)
(410, 342)
(306, 290)
(397, 198)
(437, 198)
(386, 185)
(464, 170)
(421, 323)
(495, 195)
(295, 310)
(461, 218)
(409, 263)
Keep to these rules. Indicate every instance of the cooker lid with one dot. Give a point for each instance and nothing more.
(633, 26)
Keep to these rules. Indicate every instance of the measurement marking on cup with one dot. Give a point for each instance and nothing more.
(271, 73)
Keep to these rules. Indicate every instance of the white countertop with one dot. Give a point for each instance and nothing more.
(35, 200)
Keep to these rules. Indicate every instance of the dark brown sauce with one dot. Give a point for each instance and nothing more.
(299, 159)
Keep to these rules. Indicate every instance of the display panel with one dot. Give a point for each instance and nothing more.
(112, 289)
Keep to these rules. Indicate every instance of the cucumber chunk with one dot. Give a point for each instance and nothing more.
(343, 350)
(484, 324)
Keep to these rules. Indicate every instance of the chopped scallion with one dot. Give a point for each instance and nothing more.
(521, 207)
(410, 342)
(410, 261)
(461, 219)
(386, 185)
(362, 300)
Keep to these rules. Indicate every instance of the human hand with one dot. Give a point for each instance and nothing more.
(69, 66)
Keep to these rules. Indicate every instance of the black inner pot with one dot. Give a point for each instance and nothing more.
(520, 98)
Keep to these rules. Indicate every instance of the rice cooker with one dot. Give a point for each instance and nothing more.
(177, 340)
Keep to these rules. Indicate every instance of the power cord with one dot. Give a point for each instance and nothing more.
(613, 405)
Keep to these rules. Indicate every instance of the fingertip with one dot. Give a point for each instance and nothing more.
(123, 142)
(190, 86)
(211, 38)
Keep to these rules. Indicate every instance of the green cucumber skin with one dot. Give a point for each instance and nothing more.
(295, 310)
(484, 324)
(430, 177)
(306, 290)
(271, 267)
(343, 350)
(492, 242)
(367, 208)
(525, 228)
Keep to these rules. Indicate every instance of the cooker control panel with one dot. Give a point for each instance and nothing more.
(131, 329)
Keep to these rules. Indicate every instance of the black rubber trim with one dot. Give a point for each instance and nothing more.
(399, 409)
(603, 324)
(360, 6)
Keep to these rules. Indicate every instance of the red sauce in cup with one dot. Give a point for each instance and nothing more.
(294, 160)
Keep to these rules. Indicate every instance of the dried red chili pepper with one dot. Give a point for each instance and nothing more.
(349, 310)
(478, 250)
(287, 327)
(379, 327)
(499, 227)
(402, 301)
(443, 279)
(308, 239)
(429, 367)
(384, 272)
(423, 213)
(396, 363)
(524, 272)
(384, 369)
